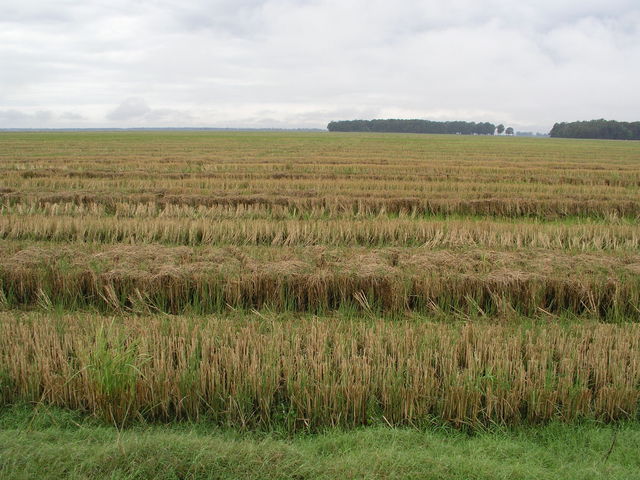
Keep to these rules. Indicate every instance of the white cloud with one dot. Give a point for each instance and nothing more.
(304, 62)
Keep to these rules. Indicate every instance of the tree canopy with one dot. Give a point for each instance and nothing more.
(412, 126)
(609, 129)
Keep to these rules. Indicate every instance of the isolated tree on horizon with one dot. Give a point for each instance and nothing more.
(509, 131)
(500, 129)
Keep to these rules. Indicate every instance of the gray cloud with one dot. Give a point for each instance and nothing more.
(130, 109)
(21, 119)
(134, 110)
(304, 62)
(72, 116)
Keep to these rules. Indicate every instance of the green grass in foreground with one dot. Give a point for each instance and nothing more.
(55, 444)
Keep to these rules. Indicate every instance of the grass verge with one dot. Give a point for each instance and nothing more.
(56, 444)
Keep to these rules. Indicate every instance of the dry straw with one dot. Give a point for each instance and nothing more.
(308, 374)
(178, 280)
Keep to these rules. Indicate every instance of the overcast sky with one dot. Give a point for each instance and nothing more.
(302, 63)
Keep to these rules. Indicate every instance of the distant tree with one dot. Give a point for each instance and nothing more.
(608, 129)
(500, 129)
(412, 126)
(509, 131)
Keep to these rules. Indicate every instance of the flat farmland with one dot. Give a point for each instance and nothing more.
(313, 280)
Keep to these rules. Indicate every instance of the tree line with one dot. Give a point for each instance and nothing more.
(412, 126)
(607, 129)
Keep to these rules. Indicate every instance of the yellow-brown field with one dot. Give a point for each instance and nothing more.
(308, 279)
(317, 372)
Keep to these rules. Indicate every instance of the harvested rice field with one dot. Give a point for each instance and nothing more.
(310, 281)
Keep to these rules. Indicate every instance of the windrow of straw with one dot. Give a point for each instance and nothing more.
(464, 202)
(313, 373)
(339, 184)
(315, 280)
(375, 232)
(202, 208)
